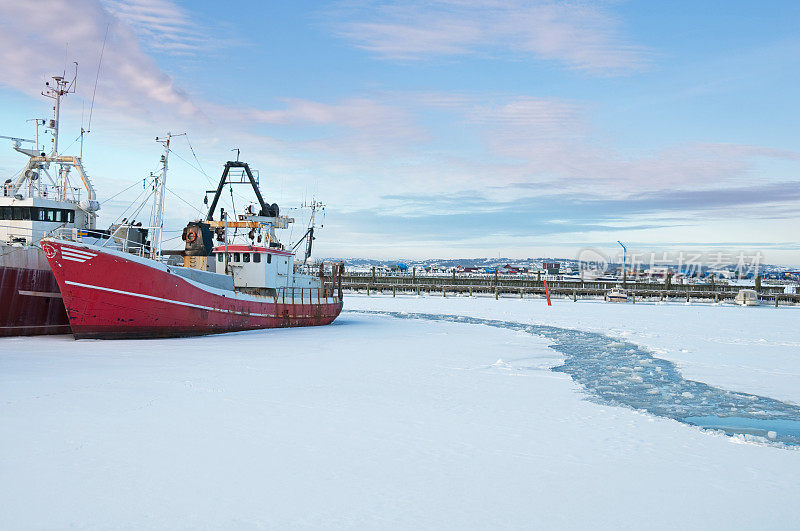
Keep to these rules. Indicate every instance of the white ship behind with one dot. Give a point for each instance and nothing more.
(52, 191)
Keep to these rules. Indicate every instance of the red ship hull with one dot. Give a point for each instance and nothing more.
(111, 295)
(30, 302)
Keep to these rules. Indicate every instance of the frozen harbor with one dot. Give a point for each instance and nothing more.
(430, 421)
(624, 374)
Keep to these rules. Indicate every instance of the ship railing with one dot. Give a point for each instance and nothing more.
(119, 240)
(73, 234)
(103, 239)
(331, 287)
(37, 188)
(295, 295)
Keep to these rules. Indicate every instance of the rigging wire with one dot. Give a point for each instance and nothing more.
(190, 164)
(136, 200)
(69, 146)
(119, 193)
(201, 171)
(236, 229)
(198, 160)
(97, 78)
(170, 239)
(184, 200)
(142, 205)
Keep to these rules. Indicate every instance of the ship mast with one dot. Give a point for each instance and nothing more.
(40, 162)
(62, 87)
(314, 205)
(56, 91)
(157, 213)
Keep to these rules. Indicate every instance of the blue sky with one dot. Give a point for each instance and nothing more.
(442, 129)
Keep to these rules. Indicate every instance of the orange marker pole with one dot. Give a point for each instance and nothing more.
(547, 292)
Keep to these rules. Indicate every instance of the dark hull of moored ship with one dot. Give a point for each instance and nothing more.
(114, 295)
(30, 300)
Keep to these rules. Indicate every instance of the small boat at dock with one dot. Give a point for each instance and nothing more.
(617, 295)
(747, 297)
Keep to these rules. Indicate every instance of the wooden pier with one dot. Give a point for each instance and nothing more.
(503, 286)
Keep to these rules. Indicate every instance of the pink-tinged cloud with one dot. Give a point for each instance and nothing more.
(579, 35)
(358, 125)
(161, 24)
(32, 48)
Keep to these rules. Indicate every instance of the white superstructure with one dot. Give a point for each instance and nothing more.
(52, 191)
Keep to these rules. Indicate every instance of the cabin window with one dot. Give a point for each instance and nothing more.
(41, 214)
(5, 212)
(50, 215)
(70, 216)
(58, 214)
(269, 258)
(220, 257)
(256, 258)
(23, 213)
(235, 257)
(246, 257)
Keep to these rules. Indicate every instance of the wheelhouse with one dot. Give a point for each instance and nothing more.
(29, 219)
(255, 266)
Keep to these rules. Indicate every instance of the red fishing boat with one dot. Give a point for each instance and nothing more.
(124, 288)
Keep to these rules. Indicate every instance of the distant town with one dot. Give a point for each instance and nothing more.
(568, 268)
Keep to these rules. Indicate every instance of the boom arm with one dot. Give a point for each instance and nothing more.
(224, 180)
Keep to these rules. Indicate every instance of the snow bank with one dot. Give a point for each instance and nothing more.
(371, 422)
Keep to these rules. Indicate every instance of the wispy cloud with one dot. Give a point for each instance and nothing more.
(482, 149)
(130, 80)
(564, 208)
(162, 25)
(353, 129)
(556, 140)
(580, 35)
(354, 112)
(538, 118)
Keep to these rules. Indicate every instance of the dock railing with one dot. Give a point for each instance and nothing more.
(520, 287)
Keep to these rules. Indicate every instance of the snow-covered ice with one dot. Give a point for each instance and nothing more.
(383, 422)
(748, 349)
(625, 374)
